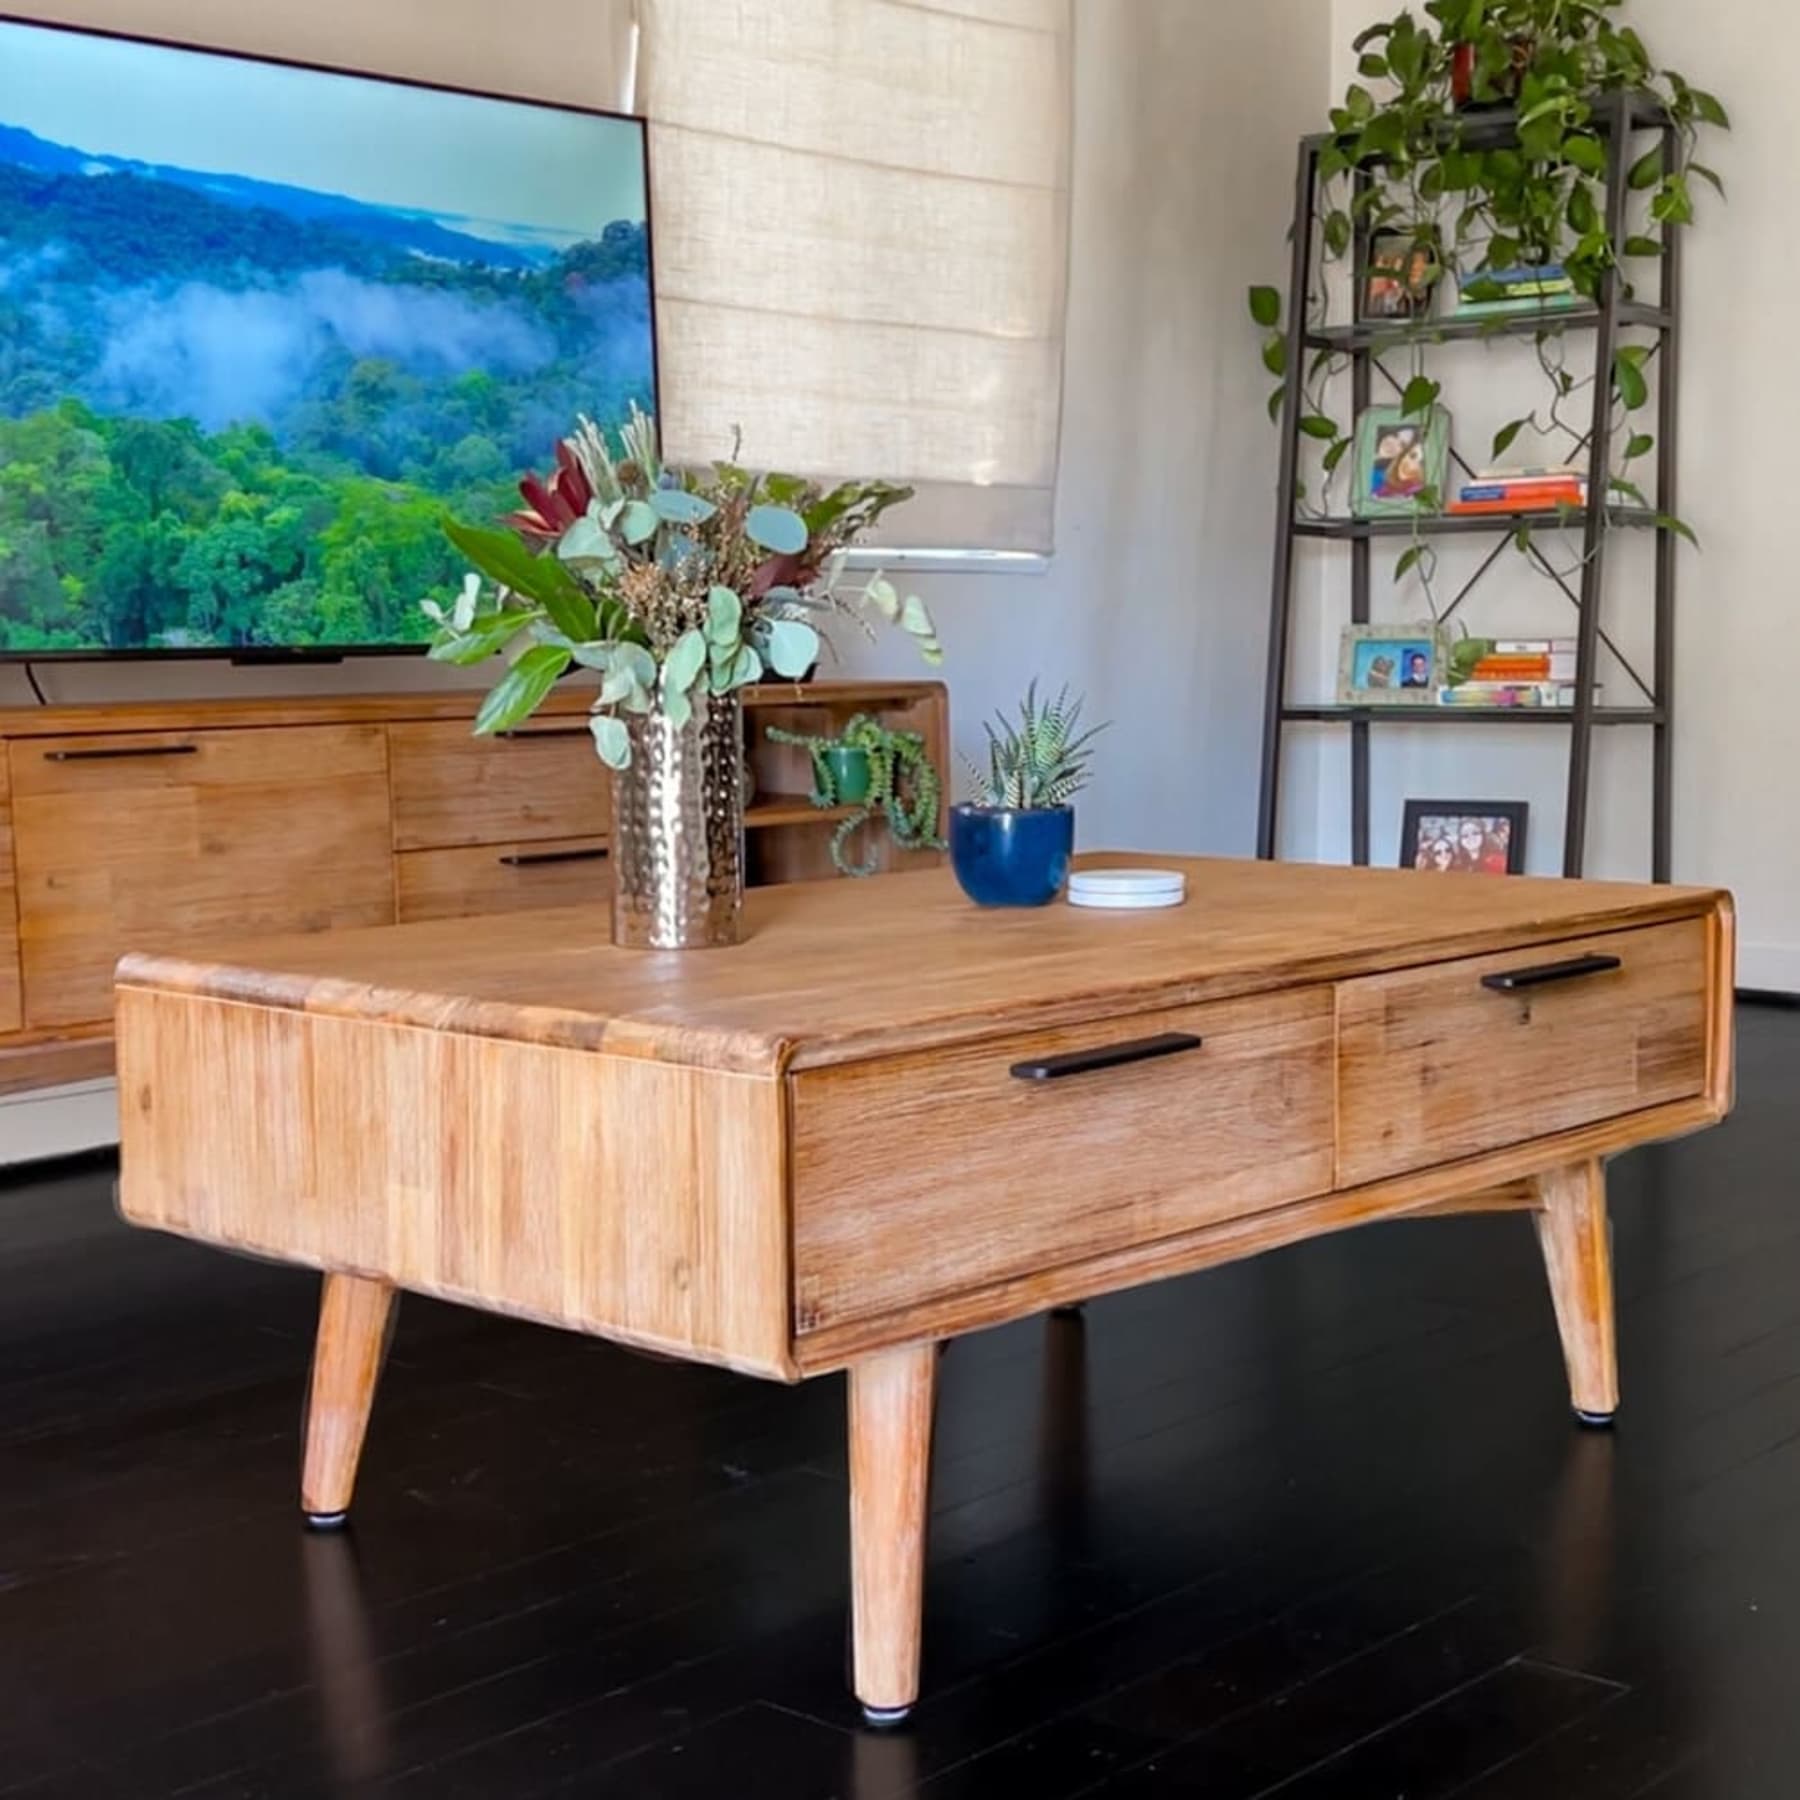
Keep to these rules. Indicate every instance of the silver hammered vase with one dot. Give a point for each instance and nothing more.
(678, 829)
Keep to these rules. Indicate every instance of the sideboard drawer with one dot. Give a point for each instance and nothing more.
(495, 878)
(453, 788)
(921, 1175)
(1448, 1061)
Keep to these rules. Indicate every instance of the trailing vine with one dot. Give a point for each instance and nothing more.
(1410, 155)
(904, 788)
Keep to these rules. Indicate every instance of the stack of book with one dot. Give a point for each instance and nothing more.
(1522, 490)
(1496, 293)
(1518, 672)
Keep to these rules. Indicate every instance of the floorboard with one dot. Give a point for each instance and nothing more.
(1315, 1526)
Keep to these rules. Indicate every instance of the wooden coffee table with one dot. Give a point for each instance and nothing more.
(890, 1118)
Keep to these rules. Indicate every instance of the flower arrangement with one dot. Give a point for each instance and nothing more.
(672, 584)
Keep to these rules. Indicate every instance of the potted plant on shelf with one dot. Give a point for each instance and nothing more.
(1012, 844)
(680, 588)
(877, 773)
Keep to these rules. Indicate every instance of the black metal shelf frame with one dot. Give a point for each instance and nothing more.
(1616, 116)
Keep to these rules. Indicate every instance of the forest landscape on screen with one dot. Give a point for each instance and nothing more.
(262, 326)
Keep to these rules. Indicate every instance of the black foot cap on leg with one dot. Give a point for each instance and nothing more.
(326, 1521)
(885, 1718)
(1594, 1421)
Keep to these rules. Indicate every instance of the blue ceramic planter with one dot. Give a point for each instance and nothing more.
(1005, 858)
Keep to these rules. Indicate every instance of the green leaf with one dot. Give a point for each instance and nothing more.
(1628, 378)
(1641, 444)
(612, 740)
(1372, 67)
(784, 490)
(678, 507)
(1408, 562)
(1316, 425)
(1274, 355)
(1265, 307)
(1374, 34)
(501, 556)
(678, 709)
(1419, 395)
(1711, 176)
(1359, 103)
(776, 528)
(1276, 401)
(1668, 522)
(724, 615)
(1522, 539)
(521, 690)
(915, 618)
(584, 541)
(793, 647)
(1640, 245)
(638, 522)
(1709, 109)
(488, 634)
(1646, 172)
(682, 667)
(1630, 489)
(1585, 152)
(1337, 232)
(1336, 454)
(744, 668)
(1503, 438)
(1581, 212)
(1673, 204)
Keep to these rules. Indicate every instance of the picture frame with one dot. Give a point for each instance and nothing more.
(1390, 665)
(1400, 462)
(1464, 837)
(1398, 282)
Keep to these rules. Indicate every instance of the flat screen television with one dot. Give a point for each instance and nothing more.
(262, 325)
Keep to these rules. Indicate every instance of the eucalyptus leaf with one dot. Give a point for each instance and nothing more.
(724, 615)
(884, 597)
(678, 507)
(638, 522)
(584, 541)
(678, 709)
(684, 663)
(793, 647)
(462, 614)
(612, 740)
(743, 669)
(776, 528)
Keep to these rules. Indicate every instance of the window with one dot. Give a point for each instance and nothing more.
(860, 232)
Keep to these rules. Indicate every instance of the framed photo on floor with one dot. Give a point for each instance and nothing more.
(1464, 837)
(1390, 665)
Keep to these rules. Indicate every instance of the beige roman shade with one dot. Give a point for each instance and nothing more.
(860, 232)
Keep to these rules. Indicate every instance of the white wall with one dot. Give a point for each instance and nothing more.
(1737, 734)
(1185, 121)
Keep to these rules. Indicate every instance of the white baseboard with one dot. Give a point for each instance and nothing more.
(60, 1121)
(1774, 968)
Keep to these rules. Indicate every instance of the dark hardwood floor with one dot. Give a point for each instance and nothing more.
(1316, 1525)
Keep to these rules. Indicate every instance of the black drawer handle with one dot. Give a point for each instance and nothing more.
(1110, 1056)
(1544, 973)
(122, 750)
(532, 859)
(545, 731)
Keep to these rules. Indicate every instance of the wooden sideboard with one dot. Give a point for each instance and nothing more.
(163, 826)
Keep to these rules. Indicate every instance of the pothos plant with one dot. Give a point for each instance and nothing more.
(673, 584)
(904, 787)
(1409, 154)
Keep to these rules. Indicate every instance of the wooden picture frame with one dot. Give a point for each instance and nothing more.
(1378, 665)
(1464, 837)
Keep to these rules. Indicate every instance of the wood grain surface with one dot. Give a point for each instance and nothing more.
(11, 1001)
(1577, 1246)
(501, 878)
(451, 788)
(890, 1466)
(355, 1319)
(234, 831)
(1002, 1176)
(1432, 1066)
(838, 971)
(635, 1200)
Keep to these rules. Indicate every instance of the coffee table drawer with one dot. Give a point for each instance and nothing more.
(921, 1175)
(1448, 1061)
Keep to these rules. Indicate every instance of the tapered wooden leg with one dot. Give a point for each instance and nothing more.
(890, 1467)
(355, 1317)
(1572, 1232)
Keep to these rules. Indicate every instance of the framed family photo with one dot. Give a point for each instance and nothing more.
(1398, 282)
(1400, 463)
(1464, 837)
(1390, 665)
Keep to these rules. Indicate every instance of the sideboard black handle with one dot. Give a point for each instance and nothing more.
(1109, 1056)
(122, 750)
(531, 859)
(545, 731)
(1513, 979)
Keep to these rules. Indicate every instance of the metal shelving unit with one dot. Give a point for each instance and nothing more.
(1617, 116)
